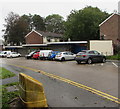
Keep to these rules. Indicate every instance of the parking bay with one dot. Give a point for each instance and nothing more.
(103, 77)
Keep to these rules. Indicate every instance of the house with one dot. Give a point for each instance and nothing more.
(41, 37)
(110, 29)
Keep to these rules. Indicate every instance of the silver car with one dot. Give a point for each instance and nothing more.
(62, 56)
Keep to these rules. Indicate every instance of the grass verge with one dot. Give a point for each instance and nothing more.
(4, 73)
(8, 96)
(114, 57)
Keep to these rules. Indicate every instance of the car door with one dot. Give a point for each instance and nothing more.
(5, 54)
(98, 56)
(71, 55)
(92, 55)
(66, 56)
(13, 54)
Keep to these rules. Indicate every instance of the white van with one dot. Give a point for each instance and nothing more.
(43, 54)
(4, 53)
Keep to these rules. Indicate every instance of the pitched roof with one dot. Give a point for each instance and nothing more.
(46, 34)
(50, 34)
(108, 18)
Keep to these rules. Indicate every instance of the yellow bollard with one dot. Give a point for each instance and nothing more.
(31, 92)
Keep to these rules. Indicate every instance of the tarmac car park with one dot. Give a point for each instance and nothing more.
(101, 76)
(87, 56)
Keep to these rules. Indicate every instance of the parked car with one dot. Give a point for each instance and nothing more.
(43, 54)
(36, 55)
(90, 56)
(62, 56)
(52, 55)
(13, 54)
(4, 53)
(30, 55)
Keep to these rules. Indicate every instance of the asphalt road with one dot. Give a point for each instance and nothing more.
(60, 93)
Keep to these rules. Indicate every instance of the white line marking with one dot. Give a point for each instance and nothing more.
(114, 64)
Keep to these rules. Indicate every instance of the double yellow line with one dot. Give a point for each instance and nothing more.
(105, 95)
(97, 92)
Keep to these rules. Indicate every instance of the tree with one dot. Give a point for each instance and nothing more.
(16, 29)
(55, 23)
(84, 24)
(35, 22)
(28, 20)
(38, 23)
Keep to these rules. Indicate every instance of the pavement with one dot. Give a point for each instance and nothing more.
(10, 80)
(112, 60)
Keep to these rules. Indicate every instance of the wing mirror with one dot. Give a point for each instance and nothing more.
(98, 53)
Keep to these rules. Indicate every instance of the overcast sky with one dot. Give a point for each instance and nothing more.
(48, 7)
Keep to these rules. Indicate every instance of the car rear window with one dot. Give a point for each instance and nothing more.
(91, 52)
(83, 52)
(59, 53)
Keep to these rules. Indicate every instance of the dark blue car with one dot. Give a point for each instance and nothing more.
(52, 55)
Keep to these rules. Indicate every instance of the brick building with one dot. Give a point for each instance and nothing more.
(40, 37)
(110, 29)
(48, 40)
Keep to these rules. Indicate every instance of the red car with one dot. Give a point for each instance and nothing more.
(36, 55)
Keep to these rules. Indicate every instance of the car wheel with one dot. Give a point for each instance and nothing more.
(89, 61)
(10, 56)
(78, 62)
(63, 59)
(103, 60)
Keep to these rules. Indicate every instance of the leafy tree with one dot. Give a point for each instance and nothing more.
(55, 23)
(84, 24)
(16, 29)
(35, 22)
(28, 20)
(38, 22)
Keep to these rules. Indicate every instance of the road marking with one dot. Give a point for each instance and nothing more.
(114, 64)
(95, 91)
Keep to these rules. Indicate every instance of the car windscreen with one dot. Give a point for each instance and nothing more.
(31, 52)
(2, 52)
